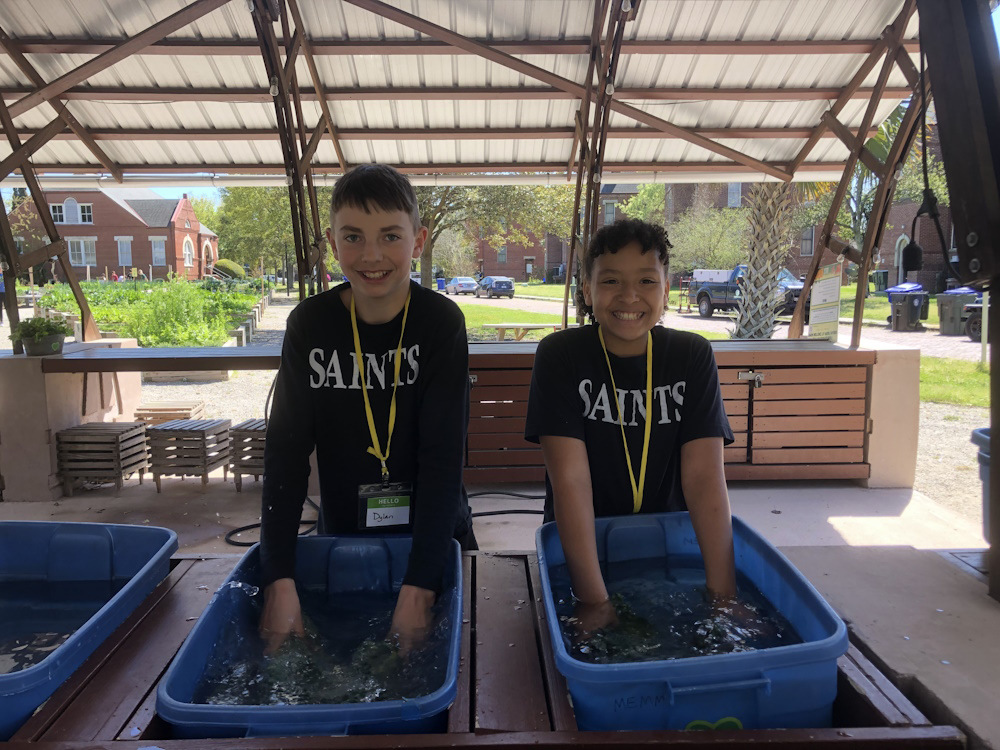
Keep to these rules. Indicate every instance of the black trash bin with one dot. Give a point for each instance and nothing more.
(881, 280)
(981, 439)
(908, 309)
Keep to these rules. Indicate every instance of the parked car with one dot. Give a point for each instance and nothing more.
(495, 286)
(720, 290)
(460, 285)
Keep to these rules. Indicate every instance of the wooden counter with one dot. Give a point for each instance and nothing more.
(509, 693)
(799, 409)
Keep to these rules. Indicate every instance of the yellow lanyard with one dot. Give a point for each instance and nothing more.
(637, 490)
(376, 449)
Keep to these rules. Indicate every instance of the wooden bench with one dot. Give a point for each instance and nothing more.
(189, 447)
(520, 330)
(101, 452)
(158, 412)
(247, 450)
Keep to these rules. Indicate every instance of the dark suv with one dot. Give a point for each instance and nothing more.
(495, 286)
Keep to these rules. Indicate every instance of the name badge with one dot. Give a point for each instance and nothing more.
(383, 505)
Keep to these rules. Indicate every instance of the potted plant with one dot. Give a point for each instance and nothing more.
(41, 336)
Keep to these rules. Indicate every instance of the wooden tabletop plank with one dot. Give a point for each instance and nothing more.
(510, 694)
(127, 676)
(855, 738)
(561, 712)
(460, 713)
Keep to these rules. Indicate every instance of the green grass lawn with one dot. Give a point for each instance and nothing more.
(954, 381)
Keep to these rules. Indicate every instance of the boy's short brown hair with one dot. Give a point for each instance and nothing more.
(375, 186)
(612, 238)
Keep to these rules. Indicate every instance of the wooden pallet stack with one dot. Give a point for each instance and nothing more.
(101, 452)
(248, 450)
(189, 447)
(158, 412)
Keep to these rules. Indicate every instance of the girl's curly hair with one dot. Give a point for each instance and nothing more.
(612, 238)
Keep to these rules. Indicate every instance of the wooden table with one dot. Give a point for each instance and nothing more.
(509, 693)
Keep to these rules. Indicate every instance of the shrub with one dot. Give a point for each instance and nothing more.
(38, 328)
(233, 269)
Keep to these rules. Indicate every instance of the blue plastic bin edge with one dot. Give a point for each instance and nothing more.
(831, 647)
(308, 719)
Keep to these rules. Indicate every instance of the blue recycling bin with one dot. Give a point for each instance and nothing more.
(440, 284)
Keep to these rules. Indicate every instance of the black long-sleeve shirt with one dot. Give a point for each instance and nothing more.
(318, 403)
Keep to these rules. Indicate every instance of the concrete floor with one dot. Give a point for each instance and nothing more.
(876, 555)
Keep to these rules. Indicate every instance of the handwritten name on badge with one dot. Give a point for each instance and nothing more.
(388, 511)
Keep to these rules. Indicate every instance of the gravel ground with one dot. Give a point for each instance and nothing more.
(947, 468)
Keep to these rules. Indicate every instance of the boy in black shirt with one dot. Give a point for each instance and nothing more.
(389, 435)
(629, 416)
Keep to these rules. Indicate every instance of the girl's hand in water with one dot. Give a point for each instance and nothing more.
(282, 615)
(592, 617)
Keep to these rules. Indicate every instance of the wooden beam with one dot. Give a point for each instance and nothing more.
(292, 55)
(274, 168)
(431, 134)
(90, 332)
(571, 87)
(29, 70)
(449, 93)
(317, 84)
(907, 67)
(39, 254)
(892, 37)
(855, 144)
(324, 47)
(21, 155)
(116, 54)
(34, 45)
(310, 149)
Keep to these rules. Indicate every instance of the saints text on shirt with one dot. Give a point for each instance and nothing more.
(667, 400)
(329, 372)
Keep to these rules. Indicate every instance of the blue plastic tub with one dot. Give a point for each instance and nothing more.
(130, 560)
(327, 564)
(981, 438)
(782, 687)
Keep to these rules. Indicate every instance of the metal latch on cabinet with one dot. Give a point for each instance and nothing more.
(756, 377)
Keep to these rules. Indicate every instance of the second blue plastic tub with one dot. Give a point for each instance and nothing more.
(782, 687)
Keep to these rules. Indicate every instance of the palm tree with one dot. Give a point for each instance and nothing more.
(770, 220)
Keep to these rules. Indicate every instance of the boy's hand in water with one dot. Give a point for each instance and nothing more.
(592, 617)
(282, 615)
(411, 620)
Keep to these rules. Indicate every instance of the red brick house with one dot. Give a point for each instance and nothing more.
(116, 230)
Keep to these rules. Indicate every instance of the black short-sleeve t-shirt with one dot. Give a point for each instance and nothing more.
(571, 397)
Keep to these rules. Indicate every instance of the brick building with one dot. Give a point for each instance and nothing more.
(116, 230)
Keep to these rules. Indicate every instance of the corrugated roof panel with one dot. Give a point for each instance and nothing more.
(482, 19)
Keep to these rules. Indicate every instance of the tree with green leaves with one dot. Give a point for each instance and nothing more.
(706, 237)
(855, 211)
(649, 204)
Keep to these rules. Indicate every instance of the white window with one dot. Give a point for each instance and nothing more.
(502, 255)
(82, 251)
(159, 250)
(735, 194)
(807, 242)
(19, 244)
(71, 211)
(57, 212)
(188, 252)
(187, 223)
(86, 213)
(609, 212)
(124, 251)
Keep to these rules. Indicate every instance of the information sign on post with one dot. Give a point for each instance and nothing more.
(824, 303)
